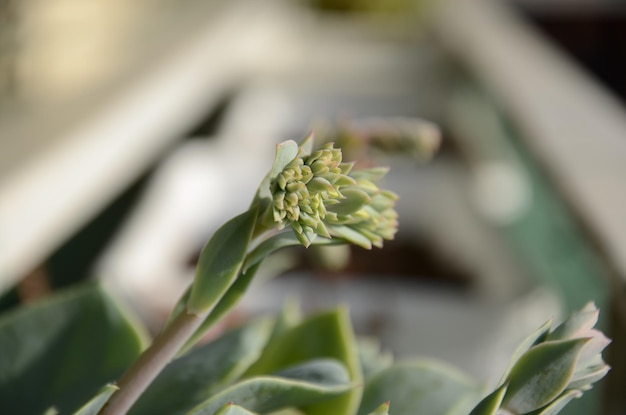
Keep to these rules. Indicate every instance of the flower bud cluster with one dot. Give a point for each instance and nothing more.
(318, 194)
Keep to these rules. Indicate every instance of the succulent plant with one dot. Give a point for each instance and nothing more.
(551, 368)
(67, 352)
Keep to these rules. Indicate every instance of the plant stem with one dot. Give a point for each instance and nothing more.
(139, 376)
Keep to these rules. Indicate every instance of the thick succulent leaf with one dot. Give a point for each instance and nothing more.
(220, 262)
(491, 403)
(194, 377)
(97, 402)
(536, 337)
(328, 371)
(542, 374)
(420, 387)
(326, 335)
(381, 410)
(60, 352)
(232, 409)
(296, 386)
(558, 404)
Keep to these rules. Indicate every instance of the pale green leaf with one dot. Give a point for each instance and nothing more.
(193, 378)
(300, 385)
(326, 335)
(220, 262)
(97, 402)
(541, 375)
(419, 387)
(60, 352)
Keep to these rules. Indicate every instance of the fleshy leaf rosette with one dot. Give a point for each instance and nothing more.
(317, 194)
(551, 368)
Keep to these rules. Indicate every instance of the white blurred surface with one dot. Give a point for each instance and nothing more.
(50, 191)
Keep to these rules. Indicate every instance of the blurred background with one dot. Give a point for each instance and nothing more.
(130, 130)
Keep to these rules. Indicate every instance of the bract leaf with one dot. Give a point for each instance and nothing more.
(297, 386)
(193, 378)
(59, 352)
(542, 374)
(285, 153)
(220, 262)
